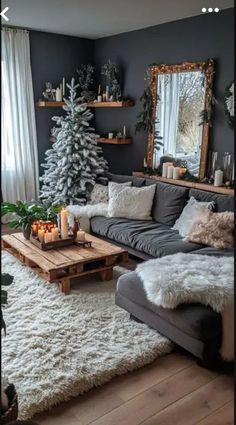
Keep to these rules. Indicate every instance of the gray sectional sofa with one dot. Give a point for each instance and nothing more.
(194, 327)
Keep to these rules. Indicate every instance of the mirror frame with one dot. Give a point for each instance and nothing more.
(154, 71)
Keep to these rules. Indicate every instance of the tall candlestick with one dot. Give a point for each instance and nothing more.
(107, 93)
(99, 89)
(64, 224)
(63, 86)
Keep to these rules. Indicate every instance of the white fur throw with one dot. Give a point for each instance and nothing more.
(189, 278)
(85, 212)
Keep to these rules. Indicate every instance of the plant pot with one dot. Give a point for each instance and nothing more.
(12, 412)
(26, 230)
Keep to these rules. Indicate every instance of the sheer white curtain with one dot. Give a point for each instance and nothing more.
(168, 110)
(20, 176)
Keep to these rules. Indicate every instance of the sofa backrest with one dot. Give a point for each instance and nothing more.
(222, 202)
(170, 199)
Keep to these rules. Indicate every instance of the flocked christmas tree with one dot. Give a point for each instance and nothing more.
(75, 162)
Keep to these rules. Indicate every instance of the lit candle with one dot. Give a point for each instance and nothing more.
(63, 86)
(182, 171)
(80, 235)
(170, 171)
(34, 229)
(55, 233)
(218, 179)
(176, 173)
(47, 237)
(41, 235)
(64, 224)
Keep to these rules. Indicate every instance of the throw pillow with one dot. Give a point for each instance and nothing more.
(115, 188)
(184, 223)
(99, 194)
(132, 202)
(212, 229)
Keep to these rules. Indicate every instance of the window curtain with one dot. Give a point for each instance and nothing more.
(20, 175)
(167, 111)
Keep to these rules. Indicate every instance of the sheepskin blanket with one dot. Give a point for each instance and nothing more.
(85, 212)
(189, 278)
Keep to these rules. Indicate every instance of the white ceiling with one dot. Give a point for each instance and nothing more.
(101, 18)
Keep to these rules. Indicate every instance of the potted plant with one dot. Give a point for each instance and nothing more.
(9, 402)
(26, 213)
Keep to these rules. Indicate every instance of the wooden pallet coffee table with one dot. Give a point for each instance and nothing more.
(62, 264)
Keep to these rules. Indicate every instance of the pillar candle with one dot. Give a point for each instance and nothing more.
(165, 165)
(145, 163)
(99, 98)
(41, 235)
(63, 86)
(170, 170)
(55, 234)
(58, 95)
(218, 179)
(47, 237)
(34, 229)
(64, 224)
(80, 235)
(176, 173)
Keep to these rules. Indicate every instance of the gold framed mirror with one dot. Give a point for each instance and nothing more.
(181, 107)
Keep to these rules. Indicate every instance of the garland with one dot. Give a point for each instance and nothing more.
(229, 104)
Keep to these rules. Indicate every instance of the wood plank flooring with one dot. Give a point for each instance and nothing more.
(172, 390)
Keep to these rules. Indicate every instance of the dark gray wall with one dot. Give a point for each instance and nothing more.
(193, 39)
(53, 57)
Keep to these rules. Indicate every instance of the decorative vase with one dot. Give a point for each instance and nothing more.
(26, 230)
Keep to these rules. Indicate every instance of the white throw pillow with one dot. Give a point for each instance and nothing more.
(132, 202)
(184, 223)
(99, 194)
(115, 188)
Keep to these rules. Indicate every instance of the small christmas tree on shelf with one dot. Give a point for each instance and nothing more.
(75, 162)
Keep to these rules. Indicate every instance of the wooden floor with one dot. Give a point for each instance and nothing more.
(173, 390)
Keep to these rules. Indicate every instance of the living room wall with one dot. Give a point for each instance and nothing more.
(192, 39)
(53, 57)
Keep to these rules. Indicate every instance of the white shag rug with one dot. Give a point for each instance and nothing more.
(61, 346)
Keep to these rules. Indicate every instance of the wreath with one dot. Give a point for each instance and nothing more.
(229, 104)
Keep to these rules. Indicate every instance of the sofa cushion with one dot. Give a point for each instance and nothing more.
(222, 202)
(136, 181)
(168, 203)
(208, 250)
(122, 230)
(150, 237)
(194, 319)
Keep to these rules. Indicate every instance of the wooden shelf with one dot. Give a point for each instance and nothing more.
(201, 186)
(121, 104)
(116, 141)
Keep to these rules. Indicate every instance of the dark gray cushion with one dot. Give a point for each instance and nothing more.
(194, 319)
(136, 181)
(222, 202)
(155, 239)
(122, 230)
(168, 203)
(208, 250)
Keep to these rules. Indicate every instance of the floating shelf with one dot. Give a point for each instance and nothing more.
(116, 141)
(201, 186)
(121, 104)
